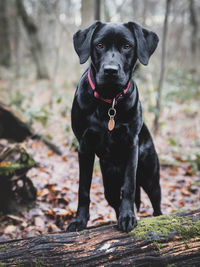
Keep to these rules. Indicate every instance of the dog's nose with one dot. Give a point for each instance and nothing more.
(111, 69)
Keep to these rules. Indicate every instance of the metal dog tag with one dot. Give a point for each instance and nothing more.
(111, 124)
(111, 114)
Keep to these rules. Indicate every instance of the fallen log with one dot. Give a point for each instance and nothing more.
(14, 183)
(11, 126)
(168, 240)
(14, 128)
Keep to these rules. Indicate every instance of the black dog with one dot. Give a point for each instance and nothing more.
(107, 121)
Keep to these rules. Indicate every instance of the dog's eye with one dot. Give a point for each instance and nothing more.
(99, 45)
(127, 46)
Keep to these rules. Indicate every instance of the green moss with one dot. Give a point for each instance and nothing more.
(39, 263)
(18, 263)
(163, 227)
(6, 247)
(82, 231)
(179, 210)
(158, 246)
(12, 167)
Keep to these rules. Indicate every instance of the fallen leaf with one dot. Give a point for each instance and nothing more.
(39, 222)
(50, 153)
(53, 228)
(4, 163)
(15, 218)
(185, 192)
(10, 229)
(181, 203)
(64, 158)
(144, 214)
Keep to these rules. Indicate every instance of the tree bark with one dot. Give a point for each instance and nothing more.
(162, 68)
(194, 32)
(36, 46)
(104, 246)
(5, 52)
(97, 10)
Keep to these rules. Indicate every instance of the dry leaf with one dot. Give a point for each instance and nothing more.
(10, 229)
(185, 192)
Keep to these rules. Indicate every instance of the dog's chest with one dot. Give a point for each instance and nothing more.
(106, 144)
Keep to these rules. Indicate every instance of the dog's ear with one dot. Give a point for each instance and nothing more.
(147, 41)
(82, 40)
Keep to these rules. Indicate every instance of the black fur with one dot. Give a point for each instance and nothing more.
(127, 155)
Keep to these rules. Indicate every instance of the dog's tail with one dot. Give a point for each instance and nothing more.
(137, 198)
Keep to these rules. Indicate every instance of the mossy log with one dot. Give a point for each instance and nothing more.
(14, 164)
(177, 244)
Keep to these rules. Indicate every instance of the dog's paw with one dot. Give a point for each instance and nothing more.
(157, 213)
(76, 225)
(126, 221)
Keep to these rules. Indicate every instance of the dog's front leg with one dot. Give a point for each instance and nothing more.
(86, 162)
(127, 220)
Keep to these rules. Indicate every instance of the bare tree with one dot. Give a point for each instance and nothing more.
(162, 68)
(195, 29)
(36, 46)
(97, 10)
(5, 53)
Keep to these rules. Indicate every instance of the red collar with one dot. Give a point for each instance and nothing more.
(107, 100)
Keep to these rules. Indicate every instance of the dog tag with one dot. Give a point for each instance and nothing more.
(111, 124)
(111, 114)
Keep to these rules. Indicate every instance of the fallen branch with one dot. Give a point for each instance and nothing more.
(177, 243)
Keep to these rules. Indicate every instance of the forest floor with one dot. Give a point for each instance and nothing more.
(56, 178)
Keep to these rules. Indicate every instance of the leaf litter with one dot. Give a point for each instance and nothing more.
(56, 180)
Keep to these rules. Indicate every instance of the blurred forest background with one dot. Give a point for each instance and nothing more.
(39, 71)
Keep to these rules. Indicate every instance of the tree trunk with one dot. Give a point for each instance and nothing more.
(162, 68)
(5, 52)
(194, 32)
(36, 46)
(106, 246)
(97, 10)
(87, 13)
(16, 38)
(134, 5)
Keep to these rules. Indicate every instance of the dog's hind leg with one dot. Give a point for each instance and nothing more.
(148, 179)
(112, 185)
(154, 193)
(137, 197)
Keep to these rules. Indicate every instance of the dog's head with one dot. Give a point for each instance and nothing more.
(114, 50)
